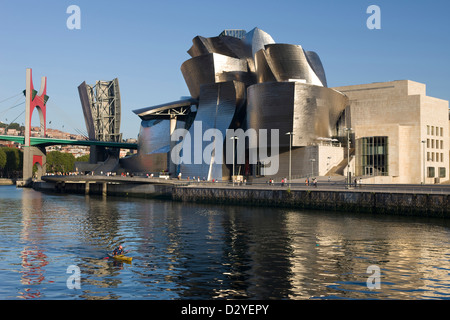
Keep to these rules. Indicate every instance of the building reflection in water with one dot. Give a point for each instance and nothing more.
(33, 257)
(186, 250)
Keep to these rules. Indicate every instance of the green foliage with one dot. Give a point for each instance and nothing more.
(2, 159)
(13, 125)
(12, 163)
(60, 162)
(84, 158)
(14, 158)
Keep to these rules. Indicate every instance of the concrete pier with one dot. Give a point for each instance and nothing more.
(144, 190)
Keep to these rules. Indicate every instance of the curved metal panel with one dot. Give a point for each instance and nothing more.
(307, 110)
(316, 65)
(316, 112)
(218, 104)
(153, 135)
(288, 62)
(225, 45)
(263, 71)
(256, 39)
(211, 68)
(270, 106)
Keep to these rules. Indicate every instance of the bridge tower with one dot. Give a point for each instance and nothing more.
(34, 155)
(102, 112)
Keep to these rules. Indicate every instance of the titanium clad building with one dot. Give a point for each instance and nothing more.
(263, 110)
(244, 80)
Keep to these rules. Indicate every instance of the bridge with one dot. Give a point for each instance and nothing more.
(45, 142)
(34, 147)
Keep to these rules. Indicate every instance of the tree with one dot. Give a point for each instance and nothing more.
(14, 161)
(2, 160)
(84, 158)
(60, 162)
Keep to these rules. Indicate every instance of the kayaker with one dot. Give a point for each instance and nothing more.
(118, 250)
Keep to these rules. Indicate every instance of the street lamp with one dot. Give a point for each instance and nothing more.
(233, 138)
(290, 134)
(348, 154)
(424, 163)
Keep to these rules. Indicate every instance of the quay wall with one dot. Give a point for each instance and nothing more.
(350, 200)
(417, 204)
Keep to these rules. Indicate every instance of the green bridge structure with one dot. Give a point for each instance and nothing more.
(34, 147)
(45, 142)
(38, 144)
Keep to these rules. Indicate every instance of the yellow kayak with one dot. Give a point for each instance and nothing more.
(121, 257)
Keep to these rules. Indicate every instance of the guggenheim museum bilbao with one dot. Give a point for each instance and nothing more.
(261, 109)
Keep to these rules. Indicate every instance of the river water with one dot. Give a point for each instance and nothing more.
(192, 251)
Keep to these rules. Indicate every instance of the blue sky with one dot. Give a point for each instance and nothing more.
(144, 43)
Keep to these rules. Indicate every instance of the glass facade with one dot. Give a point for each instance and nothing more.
(237, 33)
(372, 156)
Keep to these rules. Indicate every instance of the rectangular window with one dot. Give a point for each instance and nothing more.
(441, 172)
(428, 156)
(372, 156)
(442, 144)
(428, 143)
(428, 130)
(430, 172)
(442, 132)
(442, 157)
(432, 143)
(432, 130)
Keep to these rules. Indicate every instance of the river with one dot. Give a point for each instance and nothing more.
(193, 251)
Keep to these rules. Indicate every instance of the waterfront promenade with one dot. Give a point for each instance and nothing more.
(335, 184)
(418, 200)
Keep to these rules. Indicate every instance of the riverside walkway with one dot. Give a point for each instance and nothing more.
(418, 200)
(322, 184)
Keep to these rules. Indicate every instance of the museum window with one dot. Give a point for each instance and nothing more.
(442, 132)
(428, 143)
(428, 130)
(442, 144)
(441, 172)
(432, 130)
(431, 172)
(372, 156)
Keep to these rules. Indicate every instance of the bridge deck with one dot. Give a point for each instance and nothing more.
(109, 179)
(39, 141)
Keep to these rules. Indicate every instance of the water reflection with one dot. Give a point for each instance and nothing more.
(192, 251)
(33, 257)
